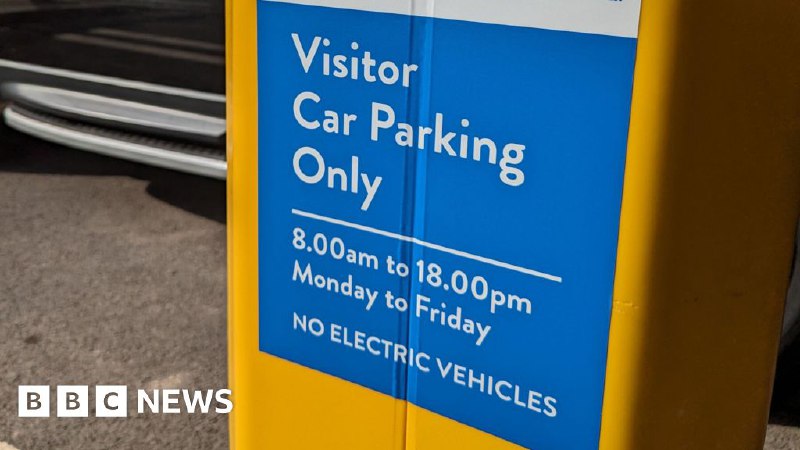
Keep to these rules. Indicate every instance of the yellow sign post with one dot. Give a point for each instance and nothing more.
(705, 238)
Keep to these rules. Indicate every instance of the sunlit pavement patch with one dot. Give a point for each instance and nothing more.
(780, 437)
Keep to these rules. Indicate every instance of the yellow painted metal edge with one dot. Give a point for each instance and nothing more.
(709, 207)
(242, 135)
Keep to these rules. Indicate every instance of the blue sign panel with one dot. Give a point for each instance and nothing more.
(439, 208)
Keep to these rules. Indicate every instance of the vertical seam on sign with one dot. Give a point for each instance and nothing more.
(409, 194)
(417, 168)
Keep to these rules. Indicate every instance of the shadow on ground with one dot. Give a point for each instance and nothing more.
(23, 154)
(786, 395)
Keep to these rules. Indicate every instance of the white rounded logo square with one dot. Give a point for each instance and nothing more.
(111, 401)
(34, 401)
(72, 401)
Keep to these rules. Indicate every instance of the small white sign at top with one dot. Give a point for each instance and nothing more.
(606, 17)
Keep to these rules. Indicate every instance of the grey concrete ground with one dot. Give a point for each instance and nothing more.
(114, 273)
(110, 273)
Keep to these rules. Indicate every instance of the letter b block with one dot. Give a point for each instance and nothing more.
(72, 401)
(34, 401)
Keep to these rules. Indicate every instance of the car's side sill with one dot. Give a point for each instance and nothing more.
(118, 145)
(112, 112)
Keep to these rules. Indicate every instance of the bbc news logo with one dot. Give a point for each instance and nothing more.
(112, 401)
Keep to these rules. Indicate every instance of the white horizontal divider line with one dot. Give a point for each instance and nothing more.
(437, 247)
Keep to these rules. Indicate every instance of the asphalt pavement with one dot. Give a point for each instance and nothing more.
(114, 273)
(110, 273)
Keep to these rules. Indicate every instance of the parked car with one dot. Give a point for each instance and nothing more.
(141, 80)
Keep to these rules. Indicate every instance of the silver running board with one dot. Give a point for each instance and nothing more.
(154, 152)
(116, 113)
(13, 70)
